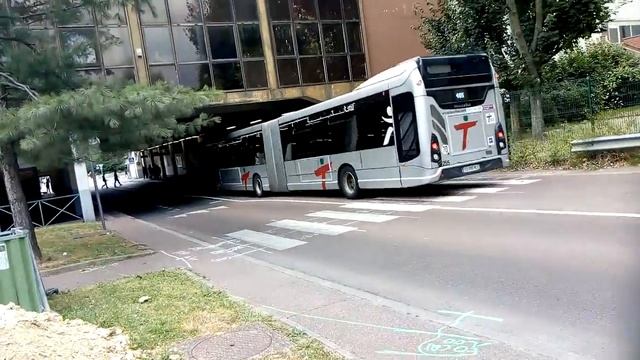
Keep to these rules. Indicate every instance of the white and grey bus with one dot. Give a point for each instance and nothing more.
(424, 120)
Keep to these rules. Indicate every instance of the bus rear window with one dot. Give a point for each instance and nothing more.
(445, 71)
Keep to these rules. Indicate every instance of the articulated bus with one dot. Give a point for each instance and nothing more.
(424, 120)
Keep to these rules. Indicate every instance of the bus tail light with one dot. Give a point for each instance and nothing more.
(436, 155)
(501, 139)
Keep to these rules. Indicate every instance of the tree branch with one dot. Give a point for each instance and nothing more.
(539, 23)
(10, 81)
(521, 42)
(24, 42)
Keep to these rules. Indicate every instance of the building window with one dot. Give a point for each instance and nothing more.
(625, 32)
(102, 46)
(208, 43)
(613, 35)
(322, 38)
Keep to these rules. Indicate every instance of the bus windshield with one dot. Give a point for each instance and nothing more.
(448, 71)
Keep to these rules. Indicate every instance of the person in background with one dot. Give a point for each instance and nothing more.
(116, 181)
(104, 180)
(145, 173)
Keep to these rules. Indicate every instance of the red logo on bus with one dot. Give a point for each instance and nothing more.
(465, 126)
(245, 179)
(322, 172)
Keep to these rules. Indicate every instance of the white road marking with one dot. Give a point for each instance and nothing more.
(375, 218)
(270, 200)
(387, 206)
(179, 216)
(485, 190)
(312, 227)
(197, 212)
(544, 212)
(492, 182)
(174, 233)
(451, 198)
(267, 240)
(218, 208)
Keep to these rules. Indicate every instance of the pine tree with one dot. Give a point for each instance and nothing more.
(45, 109)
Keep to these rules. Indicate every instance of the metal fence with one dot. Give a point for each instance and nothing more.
(583, 106)
(46, 211)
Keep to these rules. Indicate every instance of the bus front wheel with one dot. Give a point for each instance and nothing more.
(348, 181)
(258, 190)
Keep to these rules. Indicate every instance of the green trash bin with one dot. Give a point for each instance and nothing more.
(20, 281)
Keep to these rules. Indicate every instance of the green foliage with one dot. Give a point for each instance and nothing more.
(613, 72)
(449, 27)
(119, 118)
(462, 26)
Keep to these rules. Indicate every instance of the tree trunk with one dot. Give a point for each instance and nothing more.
(514, 114)
(17, 200)
(537, 119)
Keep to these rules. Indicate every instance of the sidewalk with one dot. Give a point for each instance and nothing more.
(354, 323)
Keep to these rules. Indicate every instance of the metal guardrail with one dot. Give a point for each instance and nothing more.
(606, 143)
(44, 215)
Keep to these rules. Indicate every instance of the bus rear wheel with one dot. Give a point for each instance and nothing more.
(348, 181)
(258, 190)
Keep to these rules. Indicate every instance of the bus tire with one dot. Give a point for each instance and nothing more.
(258, 189)
(348, 182)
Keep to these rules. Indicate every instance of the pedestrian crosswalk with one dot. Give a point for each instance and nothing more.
(344, 217)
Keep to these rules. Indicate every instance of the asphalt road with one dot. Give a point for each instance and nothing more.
(555, 256)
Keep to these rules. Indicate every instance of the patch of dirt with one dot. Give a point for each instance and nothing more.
(30, 335)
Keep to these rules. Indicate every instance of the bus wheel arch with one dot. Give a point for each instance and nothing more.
(258, 186)
(348, 181)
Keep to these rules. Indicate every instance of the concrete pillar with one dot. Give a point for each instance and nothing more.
(138, 48)
(265, 34)
(80, 183)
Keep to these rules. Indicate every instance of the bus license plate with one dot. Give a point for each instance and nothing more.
(470, 168)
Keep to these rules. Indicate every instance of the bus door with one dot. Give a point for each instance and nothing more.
(405, 123)
(463, 109)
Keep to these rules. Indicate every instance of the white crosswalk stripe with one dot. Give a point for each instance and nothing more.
(375, 218)
(388, 206)
(486, 190)
(312, 227)
(266, 240)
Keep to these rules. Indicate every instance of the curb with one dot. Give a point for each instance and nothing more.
(88, 263)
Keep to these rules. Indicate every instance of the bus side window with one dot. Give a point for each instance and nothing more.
(404, 114)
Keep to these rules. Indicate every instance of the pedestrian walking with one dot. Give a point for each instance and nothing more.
(104, 180)
(145, 173)
(115, 179)
(48, 185)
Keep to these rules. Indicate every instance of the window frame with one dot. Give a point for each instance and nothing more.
(293, 21)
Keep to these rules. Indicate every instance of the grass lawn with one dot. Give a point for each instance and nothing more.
(554, 151)
(181, 307)
(71, 243)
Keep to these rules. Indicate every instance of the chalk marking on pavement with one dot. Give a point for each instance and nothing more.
(177, 258)
(363, 324)
(312, 227)
(445, 345)
(175, 233)
(387, 206)
(266, 240)
(235, 255)
(485, 190)
(365, 217)
(543, 212)
(269, 200)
